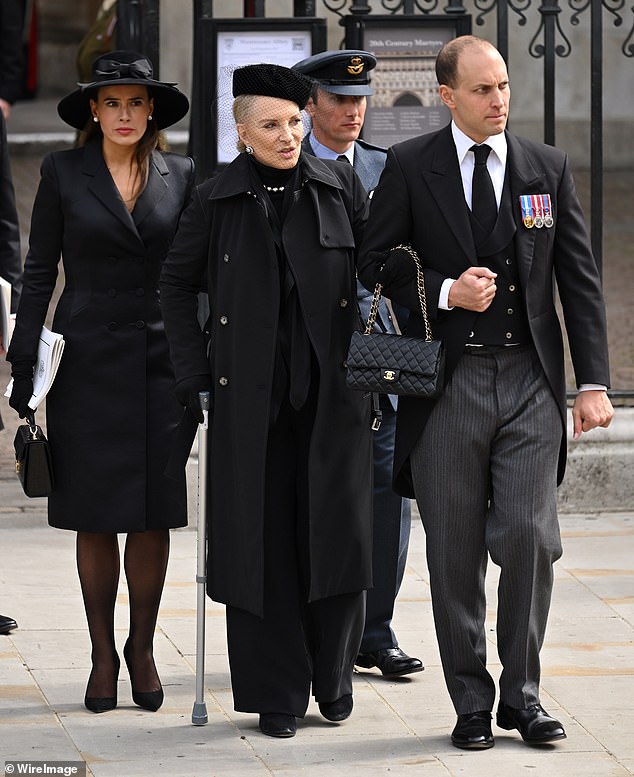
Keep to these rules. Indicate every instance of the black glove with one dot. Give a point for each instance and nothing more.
(22, 390)
(187, 393)
(398, 270)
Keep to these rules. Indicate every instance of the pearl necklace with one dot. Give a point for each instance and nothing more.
(274, 188)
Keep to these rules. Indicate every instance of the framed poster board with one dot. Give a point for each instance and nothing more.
(221, 46)
(405, 102)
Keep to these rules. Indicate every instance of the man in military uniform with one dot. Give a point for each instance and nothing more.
(337, 109)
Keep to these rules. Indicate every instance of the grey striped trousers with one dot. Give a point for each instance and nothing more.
(484, 474)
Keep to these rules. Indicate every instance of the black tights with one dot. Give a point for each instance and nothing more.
(145, 564)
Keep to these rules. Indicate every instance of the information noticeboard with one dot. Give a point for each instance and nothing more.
(225, 44)
(405, 100)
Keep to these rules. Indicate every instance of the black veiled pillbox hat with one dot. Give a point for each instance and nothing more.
(120, 68)
(341, 72)
(273, 81)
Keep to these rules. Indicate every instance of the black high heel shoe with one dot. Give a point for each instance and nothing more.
(103, 703)
(148, 700)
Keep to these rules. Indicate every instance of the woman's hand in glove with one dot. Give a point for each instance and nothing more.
(20, 395)
(187, 393)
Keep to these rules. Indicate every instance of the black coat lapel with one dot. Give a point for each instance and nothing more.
(524, 178)
(102, 185)
(156, 188)
(442, 174)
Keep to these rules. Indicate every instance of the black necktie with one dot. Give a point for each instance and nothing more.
(483, 204)
(343, 158)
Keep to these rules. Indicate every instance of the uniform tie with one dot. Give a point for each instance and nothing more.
(343, 158)
(483, 204)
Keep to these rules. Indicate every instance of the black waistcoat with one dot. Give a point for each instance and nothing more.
(504, 322)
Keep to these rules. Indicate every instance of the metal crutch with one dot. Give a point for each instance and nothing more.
(199, 713)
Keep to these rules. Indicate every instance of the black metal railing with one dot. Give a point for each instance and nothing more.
(138, 28)
(548, 43)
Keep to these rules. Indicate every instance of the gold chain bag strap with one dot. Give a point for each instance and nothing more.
(396, 364)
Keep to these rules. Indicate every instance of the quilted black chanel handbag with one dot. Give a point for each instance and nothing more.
(394, 364)
(33, 463)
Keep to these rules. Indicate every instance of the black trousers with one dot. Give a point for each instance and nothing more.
(275, 659)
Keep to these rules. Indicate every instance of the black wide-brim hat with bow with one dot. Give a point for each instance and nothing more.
(121, 68)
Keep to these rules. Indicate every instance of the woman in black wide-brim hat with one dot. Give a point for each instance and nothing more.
(290, 498)
(110, 210)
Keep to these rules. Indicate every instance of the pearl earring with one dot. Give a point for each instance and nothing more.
(149, 118)
(248, 149)
(95, 119)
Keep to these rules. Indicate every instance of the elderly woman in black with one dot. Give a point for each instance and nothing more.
(110, 208)
(289, 444)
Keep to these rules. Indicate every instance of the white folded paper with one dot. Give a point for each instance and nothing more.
(6, 322)
(49, 355)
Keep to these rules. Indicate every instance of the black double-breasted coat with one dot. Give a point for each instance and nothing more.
(10, 265)
(111, 412)
(225, 233)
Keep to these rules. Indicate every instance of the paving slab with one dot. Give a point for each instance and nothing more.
(399, 727)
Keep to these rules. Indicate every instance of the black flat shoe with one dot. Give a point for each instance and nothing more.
(148, 700)
(534, 724)
(392, 662)
(337, 710)
(278, 724)
(99, 704)
(473, 731)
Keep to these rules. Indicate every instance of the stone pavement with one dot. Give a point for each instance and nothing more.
(398, 728)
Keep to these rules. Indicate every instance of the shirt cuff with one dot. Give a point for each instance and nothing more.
(592, 387)
(443, 299)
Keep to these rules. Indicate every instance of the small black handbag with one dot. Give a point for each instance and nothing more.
(33, 462)
(395, 364)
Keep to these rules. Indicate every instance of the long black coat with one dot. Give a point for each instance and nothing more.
(226, 233)
(10, 265)
(420, 200)
(111, 412)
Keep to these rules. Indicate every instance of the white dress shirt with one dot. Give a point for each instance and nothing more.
(496, 165)
(323, 152)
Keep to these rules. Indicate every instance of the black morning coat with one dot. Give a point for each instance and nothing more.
(111, 412)
(420, 200)
(225, 232)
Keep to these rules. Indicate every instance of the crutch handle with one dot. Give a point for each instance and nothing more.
(204, 399)
(203, 396)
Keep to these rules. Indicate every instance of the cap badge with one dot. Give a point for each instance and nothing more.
(355, 66)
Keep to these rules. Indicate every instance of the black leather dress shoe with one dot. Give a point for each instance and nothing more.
(278, 724)
(534, 724)
(337, 710)
(391, 661)
(7, 624)
(473, 731)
